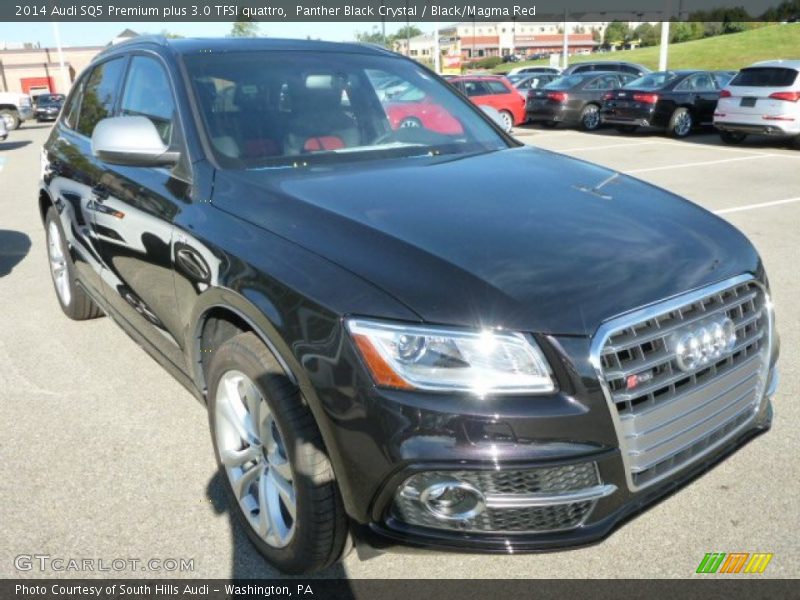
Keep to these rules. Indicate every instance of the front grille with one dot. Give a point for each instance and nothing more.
(672, 417)
(508, 484)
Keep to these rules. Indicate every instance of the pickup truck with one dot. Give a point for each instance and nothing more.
(15, 108)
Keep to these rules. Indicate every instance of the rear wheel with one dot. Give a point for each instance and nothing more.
(74, 301)
(681, 123)
(732, 137)
(278, 478)
(626, 128)
(11, 118)
(590, 117)
(507, 119)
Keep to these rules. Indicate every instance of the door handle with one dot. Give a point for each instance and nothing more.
(100, 192)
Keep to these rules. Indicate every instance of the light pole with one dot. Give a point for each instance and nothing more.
(64, 76)
(565, 44)
(664, 49)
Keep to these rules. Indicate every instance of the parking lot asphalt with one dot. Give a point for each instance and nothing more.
(103, 455)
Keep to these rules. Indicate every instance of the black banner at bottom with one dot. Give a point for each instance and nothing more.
(751, 588)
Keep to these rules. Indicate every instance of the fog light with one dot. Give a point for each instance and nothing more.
(453, 499)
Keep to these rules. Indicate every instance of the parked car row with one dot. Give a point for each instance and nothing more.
(762, 99)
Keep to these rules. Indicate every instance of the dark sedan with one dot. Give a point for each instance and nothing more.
(676, 101)
(573, 99)
(48, 106)
(450, 340)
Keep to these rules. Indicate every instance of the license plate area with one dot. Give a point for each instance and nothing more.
(748, 102)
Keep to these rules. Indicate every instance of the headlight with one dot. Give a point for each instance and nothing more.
(432, 358)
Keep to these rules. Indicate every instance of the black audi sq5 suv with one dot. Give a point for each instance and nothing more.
(433, 337)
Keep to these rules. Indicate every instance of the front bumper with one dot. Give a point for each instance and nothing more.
(608, 513)
(380, 438)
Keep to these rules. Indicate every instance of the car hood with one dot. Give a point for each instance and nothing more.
(522, 238)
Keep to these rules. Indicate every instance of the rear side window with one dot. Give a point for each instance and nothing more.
(476, 88)
(497, 87)
(629, 69)
(148, 94)
(100, 94)
(765, 77)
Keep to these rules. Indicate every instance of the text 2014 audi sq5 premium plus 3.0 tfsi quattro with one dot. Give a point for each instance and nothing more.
(403, 336)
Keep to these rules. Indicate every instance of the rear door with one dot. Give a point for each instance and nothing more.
(137, 207)
(478, 92)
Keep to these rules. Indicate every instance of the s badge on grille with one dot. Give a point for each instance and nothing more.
(704, 343)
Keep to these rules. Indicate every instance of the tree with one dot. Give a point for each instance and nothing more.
(371, 37)
(243, 29)
(596, 35)
(646, 34)
(407, 31)
(618, 32)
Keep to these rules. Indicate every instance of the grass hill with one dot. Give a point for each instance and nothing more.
(732, 51)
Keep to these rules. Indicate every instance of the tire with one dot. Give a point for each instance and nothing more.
(72, 298)
(549, 124)
(508, 120)
(11, 118)
(732, 137)
(590, 117)
(680, 123)
(410, 122)
(626, 128)
(317, 534)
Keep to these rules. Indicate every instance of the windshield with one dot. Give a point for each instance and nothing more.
(49, 99)
(652, 81)
(265, 108)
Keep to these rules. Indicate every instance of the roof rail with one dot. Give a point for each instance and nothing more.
(159, 40)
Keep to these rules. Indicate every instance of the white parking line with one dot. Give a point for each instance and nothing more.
(605, 147)
(699, 164)
(726, 211)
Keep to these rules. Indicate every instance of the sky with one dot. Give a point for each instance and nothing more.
(95, 34)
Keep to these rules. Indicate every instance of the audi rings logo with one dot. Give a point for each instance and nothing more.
(707, 342)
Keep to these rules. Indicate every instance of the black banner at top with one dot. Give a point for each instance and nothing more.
(446, 11)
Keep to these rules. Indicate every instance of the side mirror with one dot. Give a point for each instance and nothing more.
(131, 141)
(494, 115)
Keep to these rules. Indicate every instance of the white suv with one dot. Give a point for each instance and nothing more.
(763, 99)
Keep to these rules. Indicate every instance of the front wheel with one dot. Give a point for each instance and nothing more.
(74, 301)
(11, 118)
(590, 117)
(278, 478)
(681, 123)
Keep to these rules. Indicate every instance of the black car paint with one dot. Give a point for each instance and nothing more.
(622, 109)
(292, 252)
(540, 107)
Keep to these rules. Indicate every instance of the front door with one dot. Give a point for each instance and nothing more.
(135, 214)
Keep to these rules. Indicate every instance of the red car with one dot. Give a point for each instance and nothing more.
(413, 108)
(496, 92)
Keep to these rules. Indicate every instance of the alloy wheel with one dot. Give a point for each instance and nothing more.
(508, 122)
(591, 119)
(683, 124)
(253, 454)
(58, 263)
